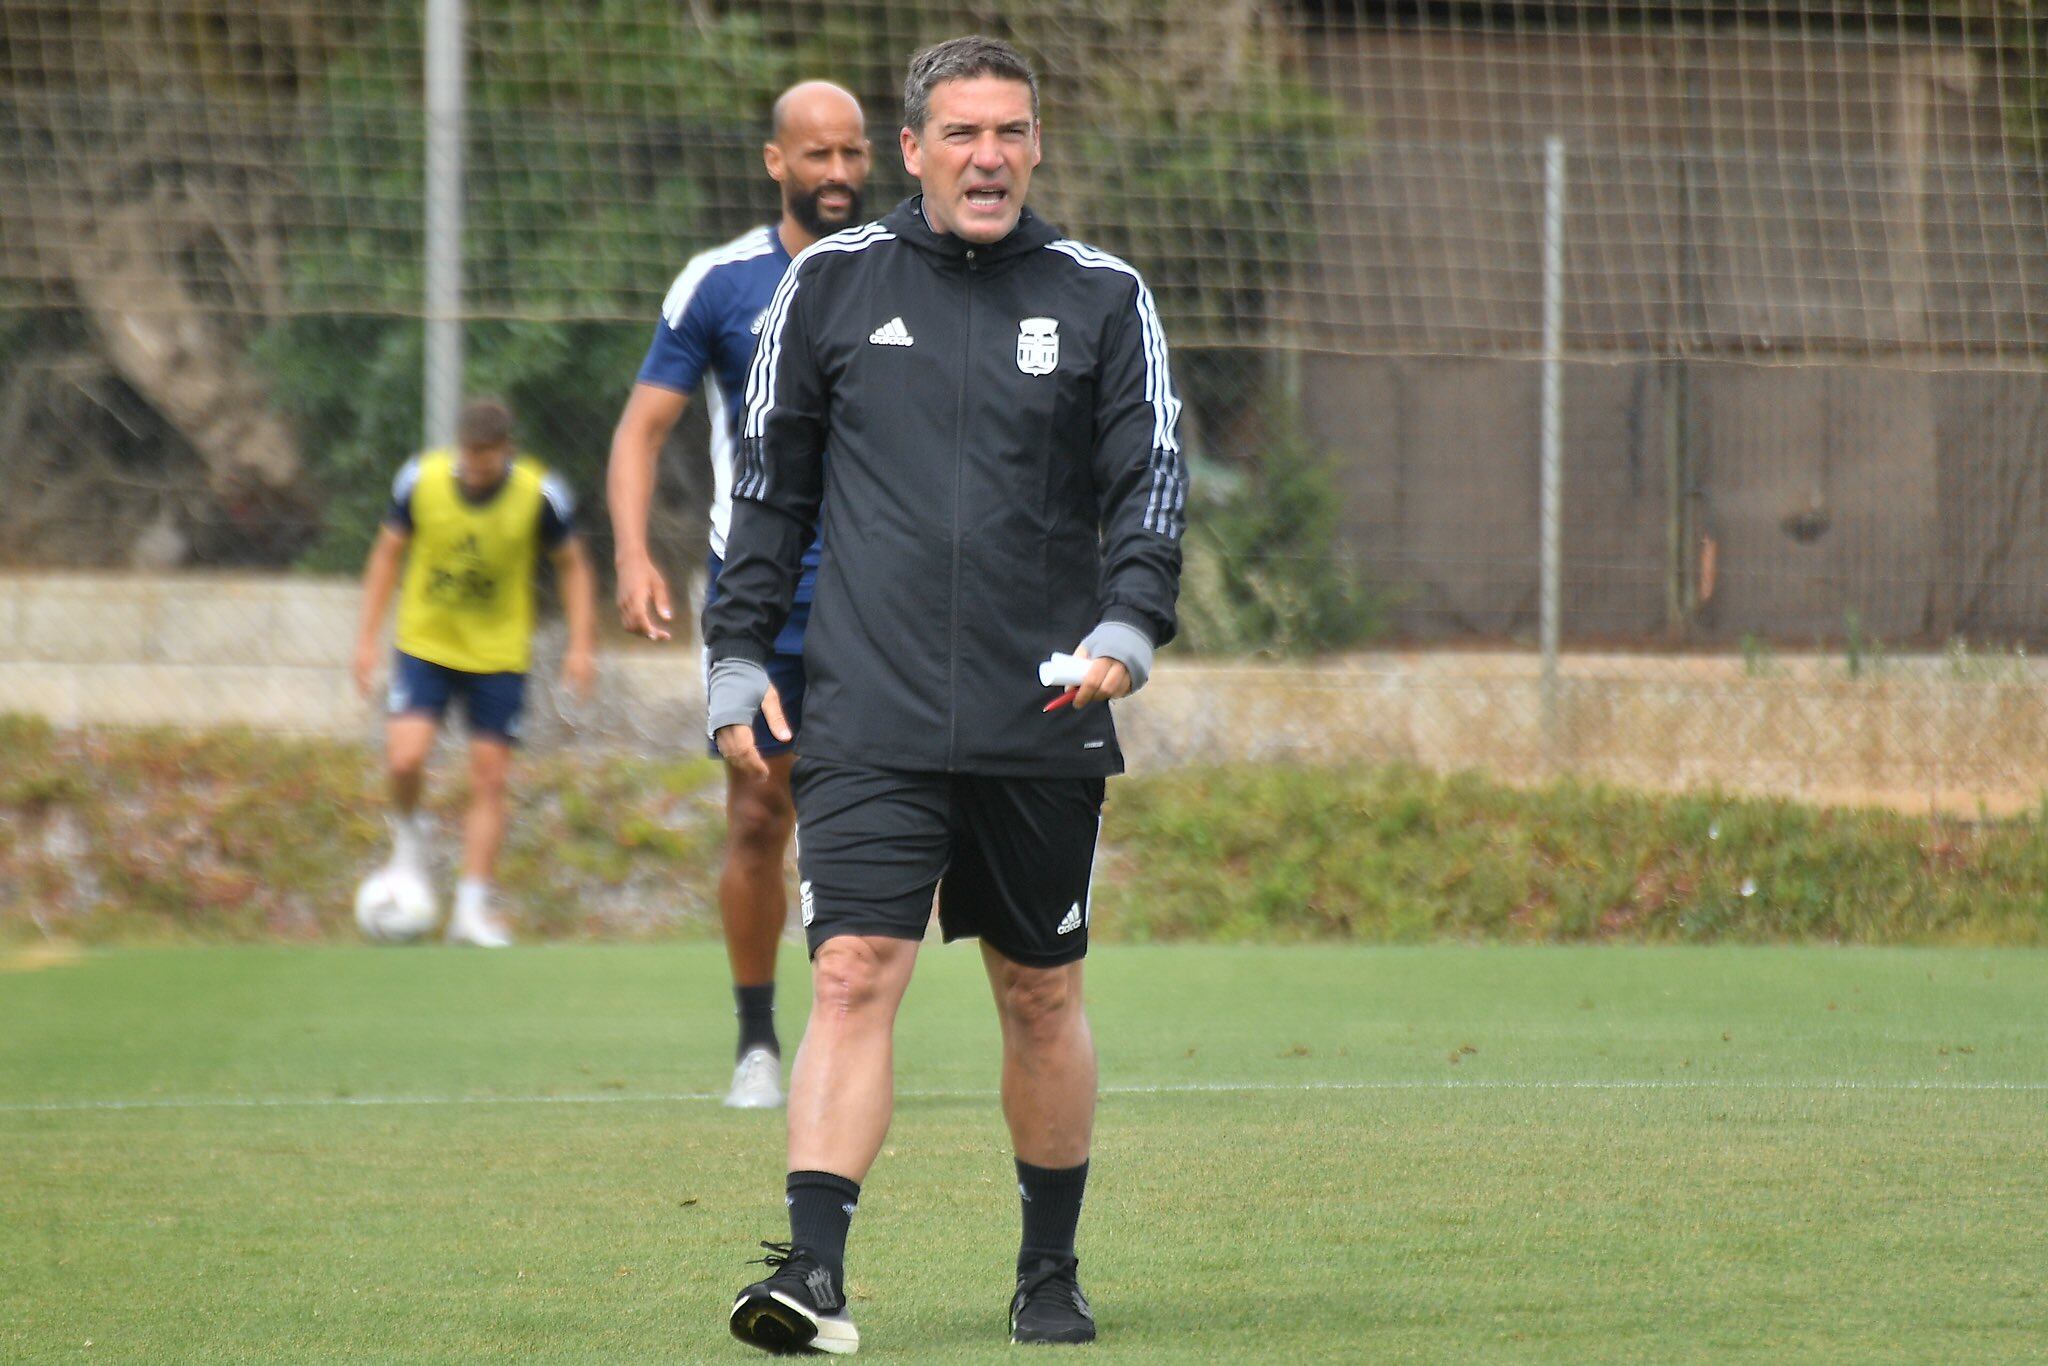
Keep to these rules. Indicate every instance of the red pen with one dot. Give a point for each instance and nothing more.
(1060, 701)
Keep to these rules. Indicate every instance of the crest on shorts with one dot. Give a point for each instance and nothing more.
(1038, 345)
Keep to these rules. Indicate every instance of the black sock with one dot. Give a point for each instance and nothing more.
(820, 1211)
(1052, 1209)
(756, 1009)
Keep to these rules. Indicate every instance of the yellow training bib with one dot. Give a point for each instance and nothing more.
(467, 599)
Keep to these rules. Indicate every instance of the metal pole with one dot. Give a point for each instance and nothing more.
(444, 71)
(1552, 420)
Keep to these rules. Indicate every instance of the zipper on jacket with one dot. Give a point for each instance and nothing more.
(959, 475)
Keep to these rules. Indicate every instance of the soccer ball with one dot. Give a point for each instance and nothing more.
(394, 905)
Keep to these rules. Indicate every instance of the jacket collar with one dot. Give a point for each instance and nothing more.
(906, 220)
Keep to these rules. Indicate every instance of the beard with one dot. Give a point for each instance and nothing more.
(804, 207)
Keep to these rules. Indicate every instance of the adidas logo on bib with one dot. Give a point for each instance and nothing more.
(1072, 921)
(892, 333)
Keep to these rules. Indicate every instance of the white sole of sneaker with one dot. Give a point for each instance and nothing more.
(777, 1323)
(752, 1101)
(752, 1098)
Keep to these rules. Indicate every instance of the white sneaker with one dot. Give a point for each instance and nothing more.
(473, 921)
(756, 1082)
(485, 931)
(479, 933)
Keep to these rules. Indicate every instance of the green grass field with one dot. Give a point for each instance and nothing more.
(1309, 1153)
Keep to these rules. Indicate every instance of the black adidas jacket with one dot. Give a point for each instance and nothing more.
(992, 432)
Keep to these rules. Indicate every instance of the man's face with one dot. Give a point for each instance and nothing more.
(482, 468)
(821, 161)
(974, 156)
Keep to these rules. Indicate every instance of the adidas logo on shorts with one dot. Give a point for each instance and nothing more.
(1072, 920)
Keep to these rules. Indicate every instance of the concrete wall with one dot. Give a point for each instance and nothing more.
(272, 653)
(1914, 733)
(1437, 462)
(1808, 232)
(1914, 503)
(204, 651)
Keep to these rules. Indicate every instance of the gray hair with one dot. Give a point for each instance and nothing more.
(957, 59)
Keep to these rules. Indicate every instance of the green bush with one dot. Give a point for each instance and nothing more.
(1264, 573)
(126, 837)
(352, 384)
(556, 237)
(1401, 855)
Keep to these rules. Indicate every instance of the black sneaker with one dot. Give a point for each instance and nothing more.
(799, 1308)
(1049, 1305)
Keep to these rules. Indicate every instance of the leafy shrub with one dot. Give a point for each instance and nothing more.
(1265, 573)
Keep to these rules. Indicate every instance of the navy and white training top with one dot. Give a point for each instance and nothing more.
(709, 324)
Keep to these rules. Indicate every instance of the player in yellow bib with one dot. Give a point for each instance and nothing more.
(466, 530)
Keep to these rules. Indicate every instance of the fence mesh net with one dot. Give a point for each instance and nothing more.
(1804, 245)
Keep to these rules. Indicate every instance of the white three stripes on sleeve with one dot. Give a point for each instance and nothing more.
(745, 247)
(406, 480)
(751, 478)
(1166, 507)
(560, 496)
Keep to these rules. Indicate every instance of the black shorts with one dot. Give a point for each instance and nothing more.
(1012, 858)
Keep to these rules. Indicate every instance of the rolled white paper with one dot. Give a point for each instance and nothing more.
(1063, 671)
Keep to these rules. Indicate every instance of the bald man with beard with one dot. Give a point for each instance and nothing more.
(818, 154)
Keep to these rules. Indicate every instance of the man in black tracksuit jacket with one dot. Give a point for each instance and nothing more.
(982, 413)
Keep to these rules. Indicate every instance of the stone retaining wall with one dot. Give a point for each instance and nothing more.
(1956, 732)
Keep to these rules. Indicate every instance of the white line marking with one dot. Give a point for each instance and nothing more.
(1159, 1089)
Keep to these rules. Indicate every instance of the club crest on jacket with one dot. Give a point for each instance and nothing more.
(1038, 345)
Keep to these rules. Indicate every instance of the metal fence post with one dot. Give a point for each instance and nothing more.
(1552, 429)
(445, 63)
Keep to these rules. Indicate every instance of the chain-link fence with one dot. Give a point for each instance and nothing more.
(1793, 366)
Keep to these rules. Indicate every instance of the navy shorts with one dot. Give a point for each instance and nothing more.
(490, 702)
(1012, 859)
(785, 668)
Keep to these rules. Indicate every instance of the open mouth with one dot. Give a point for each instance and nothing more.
(986, 197)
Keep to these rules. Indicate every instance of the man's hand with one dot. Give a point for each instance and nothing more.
(643, 598)
(365, 668)
(579, 671)
(1107, 680)
(736, 743)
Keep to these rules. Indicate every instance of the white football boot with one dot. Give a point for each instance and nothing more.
(756, 1081)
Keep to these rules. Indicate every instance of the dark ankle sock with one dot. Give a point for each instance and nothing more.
(1052, 1210)
(756, 1009)
(820, 1211)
